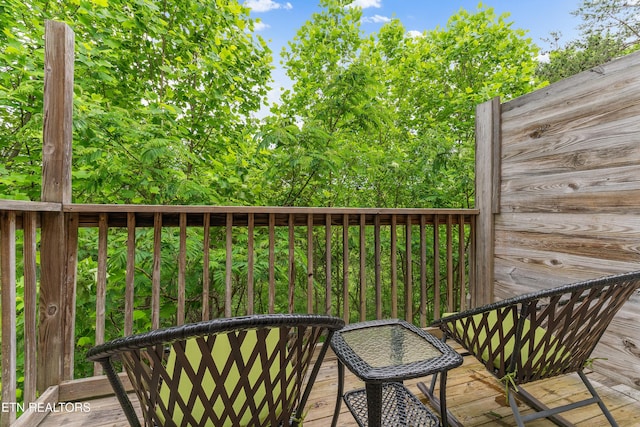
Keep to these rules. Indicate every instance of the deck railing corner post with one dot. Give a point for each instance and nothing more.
(55, 288)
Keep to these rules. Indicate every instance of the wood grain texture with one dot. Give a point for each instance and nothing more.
(155, 274)
(101, 287)
(34, 418)
(182, 270)
(129, 292)
(50, 305)
(30, 307)
(487, 196)
(570, 195)
(56, 188)
(69, 297)
(8, 310)
(58, 112)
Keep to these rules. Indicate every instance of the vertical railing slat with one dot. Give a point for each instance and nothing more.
(155, 275)
(310, 275)
(363, 269)
(461, 264)
(408, 281)
(101, 285)
(250, 263)
(436, 267)
(228, 285)
(423, 271)
(69, 297)
(345, 268)
(394, 267)
(206, 282)
(182, 269)
(377, 266)
(327, 283)
(129, 293)
(292, 264)
(30, 305)
(272, 262)
(450, 293)
(8, 309)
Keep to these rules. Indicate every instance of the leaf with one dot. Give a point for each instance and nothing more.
(84, 341)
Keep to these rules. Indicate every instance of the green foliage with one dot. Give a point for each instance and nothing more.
(617, 18)
(388, 120)
(610, 29)
(163, 97)
(578, 56)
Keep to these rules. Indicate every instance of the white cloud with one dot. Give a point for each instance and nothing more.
(266, 5)
(376, 19)
(415, 34)
(259, 26)
(367, 3)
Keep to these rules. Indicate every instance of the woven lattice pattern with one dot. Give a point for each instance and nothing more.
(543, 334)
(228, 372)
(389, 350)
(399, 407)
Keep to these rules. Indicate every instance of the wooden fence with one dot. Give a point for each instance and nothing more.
(559, 194)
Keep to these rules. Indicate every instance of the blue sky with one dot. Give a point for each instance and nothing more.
(280, 19)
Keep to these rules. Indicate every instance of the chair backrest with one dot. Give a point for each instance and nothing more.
(543, 334)
(241, 371)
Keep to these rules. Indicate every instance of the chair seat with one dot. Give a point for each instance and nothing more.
(541, 335)
(209, 366)
(246, 371)
(539, 348)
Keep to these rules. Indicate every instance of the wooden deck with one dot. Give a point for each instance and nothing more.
(474, 396)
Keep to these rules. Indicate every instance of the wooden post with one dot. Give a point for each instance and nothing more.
(8, 310)
(55, 336)
(487, 198)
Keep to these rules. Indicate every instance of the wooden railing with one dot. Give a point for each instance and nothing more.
(19, 224)
(154, 266)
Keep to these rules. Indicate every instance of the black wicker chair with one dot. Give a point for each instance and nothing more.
(540, 335)
(226, 372)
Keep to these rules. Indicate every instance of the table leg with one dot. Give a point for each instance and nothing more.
(443, 399)
(374, 404)
(336, 412)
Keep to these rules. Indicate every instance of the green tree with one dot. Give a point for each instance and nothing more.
(163, 97)
(580, 55)
(609, 29)
(315, 124)
(618, 18)
(388, 120)
(438, 78)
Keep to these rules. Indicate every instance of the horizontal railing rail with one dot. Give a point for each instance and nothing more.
(139, 267)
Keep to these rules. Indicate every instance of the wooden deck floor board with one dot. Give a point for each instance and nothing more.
(474, 396)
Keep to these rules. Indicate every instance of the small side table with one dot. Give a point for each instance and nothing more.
(383, 353)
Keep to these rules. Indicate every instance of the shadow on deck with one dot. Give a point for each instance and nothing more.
(474, 396)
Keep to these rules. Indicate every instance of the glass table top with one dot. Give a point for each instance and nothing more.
(389, 345)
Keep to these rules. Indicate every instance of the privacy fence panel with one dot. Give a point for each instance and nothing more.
(566, 167)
